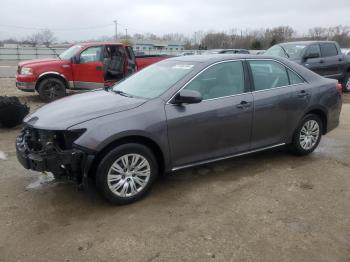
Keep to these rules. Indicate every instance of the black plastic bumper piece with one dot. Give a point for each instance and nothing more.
(56, 162)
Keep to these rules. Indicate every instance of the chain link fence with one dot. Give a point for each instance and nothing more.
(27, 53)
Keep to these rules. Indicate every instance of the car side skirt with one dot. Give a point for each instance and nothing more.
(226, 157)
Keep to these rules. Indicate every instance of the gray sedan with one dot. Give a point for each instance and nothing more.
(179, 113)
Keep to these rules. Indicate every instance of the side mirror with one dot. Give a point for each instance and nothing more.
(187, 97)
(311, 55)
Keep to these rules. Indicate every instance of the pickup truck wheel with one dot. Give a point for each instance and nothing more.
(346, 83)
(126, 173)
(307, 136)
(51, 89)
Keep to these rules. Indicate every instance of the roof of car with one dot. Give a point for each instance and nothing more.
(306, 42)
(220, 57)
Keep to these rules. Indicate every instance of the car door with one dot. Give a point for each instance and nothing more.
(333, 64)
(315, 64)
(131, 61)
(88, 69)
(219, 125)
(271, 103)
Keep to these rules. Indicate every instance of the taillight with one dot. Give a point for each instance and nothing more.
(339, 88)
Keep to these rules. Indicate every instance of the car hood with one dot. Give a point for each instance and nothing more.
(35, 62)
(69, 111)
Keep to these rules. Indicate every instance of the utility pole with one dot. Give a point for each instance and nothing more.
(116, 29)
(195, 39)
(126, 34)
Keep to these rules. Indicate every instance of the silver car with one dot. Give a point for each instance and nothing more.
(179, 113)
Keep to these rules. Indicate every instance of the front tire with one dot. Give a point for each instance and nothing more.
(126, 173)
(51, 89)
(307, 136)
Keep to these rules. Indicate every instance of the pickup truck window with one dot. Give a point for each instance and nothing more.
(90, 54)
(286, 50)
(328, 49)
(70, 52)
(313, 49)
(154, 80)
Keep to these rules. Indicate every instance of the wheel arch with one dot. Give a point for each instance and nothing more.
(146, 141)
(51, 74)
(322, 114)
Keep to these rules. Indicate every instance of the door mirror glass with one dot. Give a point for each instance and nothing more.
(187, 97)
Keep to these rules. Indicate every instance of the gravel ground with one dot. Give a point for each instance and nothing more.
(269, 206)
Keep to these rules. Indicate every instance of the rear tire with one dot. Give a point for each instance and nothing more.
(126, 173)
(307, 136)
(51, 89)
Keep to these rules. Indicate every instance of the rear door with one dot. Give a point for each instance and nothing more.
(272, 103)
(88, 69)
(131, 64)
(332, 60)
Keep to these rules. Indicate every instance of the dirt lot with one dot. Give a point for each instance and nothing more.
(269, 206)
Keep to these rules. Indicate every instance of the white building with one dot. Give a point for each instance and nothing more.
(157, 47)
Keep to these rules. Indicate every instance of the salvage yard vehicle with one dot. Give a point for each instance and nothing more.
(179, 113)
(81, 67)
(323, 57)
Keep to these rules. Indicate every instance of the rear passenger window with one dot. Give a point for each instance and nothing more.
(220, 80)
(268, 74)
(294, 78)
(328, 49)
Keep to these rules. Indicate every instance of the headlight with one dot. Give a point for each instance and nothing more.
(26, 71)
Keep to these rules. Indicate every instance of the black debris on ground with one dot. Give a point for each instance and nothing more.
(12, 111)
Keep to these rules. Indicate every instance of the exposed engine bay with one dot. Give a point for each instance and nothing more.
(52, 151)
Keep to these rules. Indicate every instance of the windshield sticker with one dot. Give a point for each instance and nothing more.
(185, 67)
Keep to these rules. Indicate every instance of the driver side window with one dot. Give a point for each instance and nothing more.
(90, 54)
(313, 49)
(219, 80)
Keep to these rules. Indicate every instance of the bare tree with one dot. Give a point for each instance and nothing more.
(45, 37)
(34, 39)
(318, 33)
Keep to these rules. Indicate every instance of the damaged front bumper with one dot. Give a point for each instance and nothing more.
(42, 150)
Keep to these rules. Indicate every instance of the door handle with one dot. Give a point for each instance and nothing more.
(98, 68)
(243, 104)
(321, 61)
(302, 94)
(340, 59)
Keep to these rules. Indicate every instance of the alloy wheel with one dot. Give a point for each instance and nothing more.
(128, 175)
(309, 134)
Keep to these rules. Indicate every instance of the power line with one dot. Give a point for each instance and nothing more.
(57, 29)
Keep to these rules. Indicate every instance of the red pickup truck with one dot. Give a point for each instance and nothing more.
(81, 67)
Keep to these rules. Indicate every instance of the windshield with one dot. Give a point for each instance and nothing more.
(286, 50)
(70, 52)
(154, 80)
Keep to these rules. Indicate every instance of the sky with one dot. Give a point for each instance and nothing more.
(76, 20)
